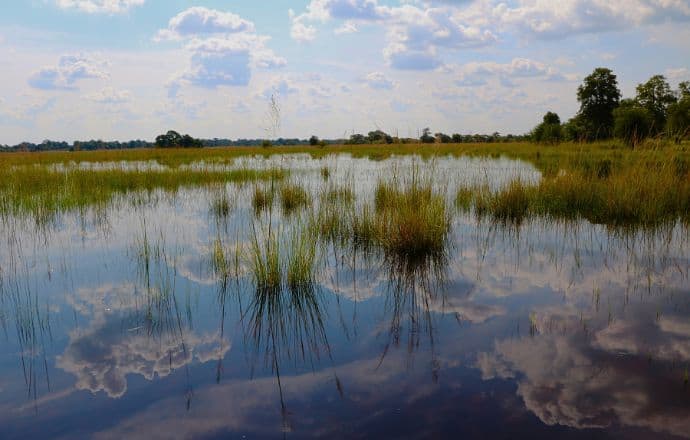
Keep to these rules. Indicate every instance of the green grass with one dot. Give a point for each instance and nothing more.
(262, 198)
(292, 197)
(645, 191)
(221, 205)
(325, 173)
(42, 193)
(408, 220)
(413, 221)
(265, 263)
(604, 182)
(301, 259)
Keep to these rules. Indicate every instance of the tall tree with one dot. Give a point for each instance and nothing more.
(598, 96)
(655, 95)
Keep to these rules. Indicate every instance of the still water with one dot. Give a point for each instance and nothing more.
(116, 325)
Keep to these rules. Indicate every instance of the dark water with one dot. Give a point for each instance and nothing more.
(115, 325)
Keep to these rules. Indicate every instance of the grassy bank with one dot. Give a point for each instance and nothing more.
(42, 193)
(641, 191)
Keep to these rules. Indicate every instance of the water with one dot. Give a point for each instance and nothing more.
(115, 325)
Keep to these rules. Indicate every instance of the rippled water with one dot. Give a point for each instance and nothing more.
(115, 325)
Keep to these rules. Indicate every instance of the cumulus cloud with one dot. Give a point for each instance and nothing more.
(99, 6)
(414, 33)
(545, 19)
(476, 73)
(223, 49)
(198, 21)
(69, 70)
(109, 95)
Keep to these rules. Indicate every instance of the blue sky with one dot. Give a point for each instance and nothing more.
(125, 69)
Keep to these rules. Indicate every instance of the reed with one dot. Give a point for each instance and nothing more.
(43, 193)
(292, 197)
(647, 191)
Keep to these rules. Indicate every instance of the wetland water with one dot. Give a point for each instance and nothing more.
(118, 321)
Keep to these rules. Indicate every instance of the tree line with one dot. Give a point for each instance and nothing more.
(655, 111)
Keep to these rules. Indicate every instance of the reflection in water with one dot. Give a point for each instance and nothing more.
(544, 327)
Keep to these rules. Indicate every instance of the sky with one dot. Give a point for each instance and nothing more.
(132, 69)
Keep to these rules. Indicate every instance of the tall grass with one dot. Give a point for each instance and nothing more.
(262, 198)
(293, 197)
(646, 192)
(409, 220)
(42, 193)
(265, 263)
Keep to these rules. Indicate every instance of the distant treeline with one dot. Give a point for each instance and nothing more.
(172, 139)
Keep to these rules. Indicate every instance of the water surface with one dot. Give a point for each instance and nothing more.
(115, 324)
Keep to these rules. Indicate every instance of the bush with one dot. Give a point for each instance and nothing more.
(678, 123)
(632, 123)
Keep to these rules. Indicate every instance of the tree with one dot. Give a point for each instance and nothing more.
(426, 137)
(443, 138)
(170, 139)
(598, 96)
(655, 95)
(357, 139)
(632, 122)
(173, 139)
(678, 115)
(189, 142)
(313, 141)
(379, 137)
(549, 130)
(551, 118)
(683, 90)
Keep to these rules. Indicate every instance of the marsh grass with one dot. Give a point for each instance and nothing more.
(412, 220)
(265, 262)
(221, 205)
(408, 220)
(262, 198)
(325, 173)
(646, 192)
(293, 197)
(42, 193)
(301, 259)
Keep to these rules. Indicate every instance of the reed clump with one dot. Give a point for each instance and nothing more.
(292, 197)
(412, 221)
(262, 198)
(408, 219)
(265, 264)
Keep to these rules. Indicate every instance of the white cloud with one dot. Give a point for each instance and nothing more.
(379, 81)
(198, 21)
(414, 34)
(224, 48)
(548, 19)
(679, 73)
(70, 69)
(99, 6)
(477, 73)
(347, 28)
(301, 32)
(109, 95)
